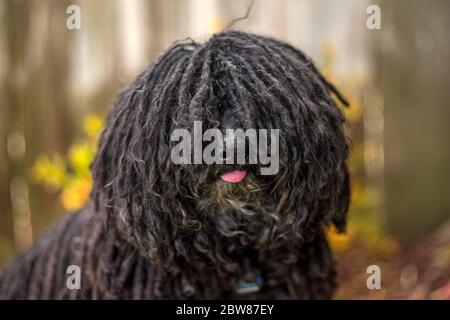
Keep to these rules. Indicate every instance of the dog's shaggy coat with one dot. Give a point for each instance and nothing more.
(154, 229)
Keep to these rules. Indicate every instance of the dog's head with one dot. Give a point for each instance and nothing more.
(293, 184)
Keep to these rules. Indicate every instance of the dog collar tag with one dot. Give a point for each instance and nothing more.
(244, 288)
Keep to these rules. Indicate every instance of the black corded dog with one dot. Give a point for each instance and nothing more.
(155, 229)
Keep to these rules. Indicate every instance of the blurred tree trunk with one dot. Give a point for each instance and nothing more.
(49, 121)
(412, 68)
(11, 50)
(17, 28)
(36, 109)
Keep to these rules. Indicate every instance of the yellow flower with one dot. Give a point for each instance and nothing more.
(70, 174)
(51, 173)
(92, 125)
(80, 157)
(76, 194)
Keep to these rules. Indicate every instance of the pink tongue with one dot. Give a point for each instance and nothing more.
(234, 176)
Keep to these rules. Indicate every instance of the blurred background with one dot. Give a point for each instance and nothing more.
(57, 84)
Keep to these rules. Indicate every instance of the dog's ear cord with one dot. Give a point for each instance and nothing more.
(331, 87)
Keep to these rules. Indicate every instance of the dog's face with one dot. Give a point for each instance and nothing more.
(235, 81)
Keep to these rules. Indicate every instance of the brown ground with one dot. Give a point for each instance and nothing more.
(419, 270)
